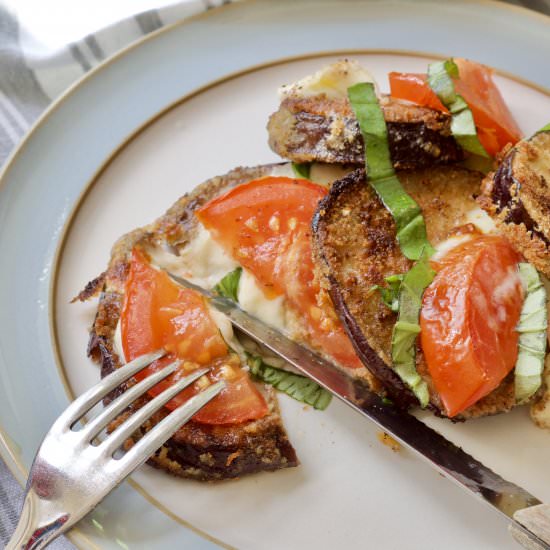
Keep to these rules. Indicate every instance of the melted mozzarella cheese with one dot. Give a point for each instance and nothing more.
(253, 300)
(477, 217)
(481, 220)
(325, 174)
(447, 245)
(117, 342)
(333, 81)
(203, 261)
(282, 170)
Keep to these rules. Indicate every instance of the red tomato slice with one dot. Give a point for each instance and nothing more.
(265, 225)
(468, 321)
(494, 121)
(156, 314)
(414, 88)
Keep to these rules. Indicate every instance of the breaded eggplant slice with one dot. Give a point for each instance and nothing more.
(196, 451)
(355, 247)
(517, 197)
(323, 129)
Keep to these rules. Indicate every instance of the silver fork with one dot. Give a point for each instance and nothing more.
(70, 475)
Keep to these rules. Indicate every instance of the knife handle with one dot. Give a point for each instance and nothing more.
(536, 519)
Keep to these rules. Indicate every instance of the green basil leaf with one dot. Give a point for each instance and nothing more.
(545, 128)
(410, 225)
(373, 127)
(229, 285)
(532, 327)
(440, 80)
(302, 170)
(407, 328)
(298, 387)
(390, 293)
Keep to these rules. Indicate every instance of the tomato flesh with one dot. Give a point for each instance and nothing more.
(265, 226)
(494, 122)
(157, 314)
(468, 321)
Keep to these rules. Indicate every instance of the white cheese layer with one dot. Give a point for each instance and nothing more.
(117, 342)
(326, 174)
(477, 217)
(203, 261)
(481, 220)
(253, 300)
(332, 81)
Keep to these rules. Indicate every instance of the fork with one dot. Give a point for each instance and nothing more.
(72, 472)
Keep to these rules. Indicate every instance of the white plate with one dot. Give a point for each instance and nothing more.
(350, 490)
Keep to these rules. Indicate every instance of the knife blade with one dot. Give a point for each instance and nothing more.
(532, 530)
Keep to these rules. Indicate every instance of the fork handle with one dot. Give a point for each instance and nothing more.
(30, 533)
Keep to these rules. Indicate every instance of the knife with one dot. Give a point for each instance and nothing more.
(529, 518)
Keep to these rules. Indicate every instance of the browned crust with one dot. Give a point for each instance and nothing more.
(517, 197)
(319, 129)
(196, 451)
(92, 289)
(355, 246)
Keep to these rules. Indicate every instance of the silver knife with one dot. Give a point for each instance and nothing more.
(529, 517)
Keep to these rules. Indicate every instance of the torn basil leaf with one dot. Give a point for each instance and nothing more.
(390, 293)
(463, 128)
(532, 327)
(407, 328)
(296, 386)
(410, 225)
(302, 169)
(229, 285)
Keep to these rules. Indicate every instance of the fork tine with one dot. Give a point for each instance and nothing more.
(126, 429)
(114, 408)
(88, 399)
(158, 435)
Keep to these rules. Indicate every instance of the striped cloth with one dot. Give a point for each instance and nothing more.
(33, 72)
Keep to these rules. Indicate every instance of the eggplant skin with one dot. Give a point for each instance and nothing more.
(517, 197)
(355, 247)
(319, 129)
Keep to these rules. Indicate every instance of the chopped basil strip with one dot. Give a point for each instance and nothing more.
(463, 128)
(390, 293)
(411, 229)
(532, 327)
(407, 328)
(296, 386)
(229, 285)
(545, 128)
(302, 169)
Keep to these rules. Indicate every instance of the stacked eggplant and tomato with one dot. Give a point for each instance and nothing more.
(445, 305)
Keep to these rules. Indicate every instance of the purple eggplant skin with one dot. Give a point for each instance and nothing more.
(393, 385)
(517, 197)
(399, 393)
(515, 211)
